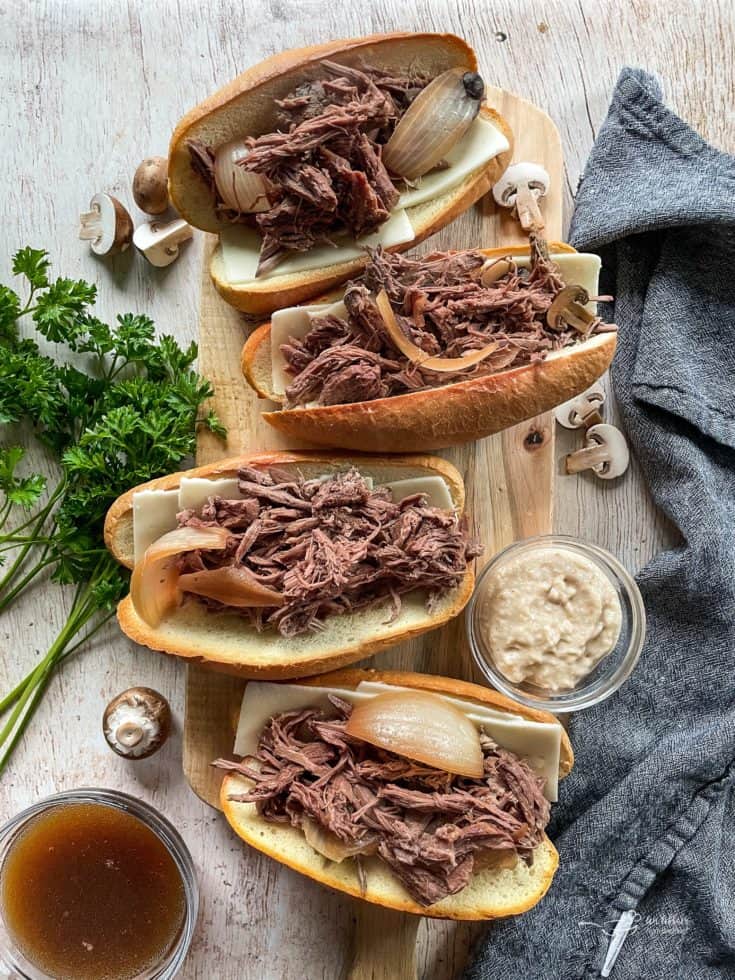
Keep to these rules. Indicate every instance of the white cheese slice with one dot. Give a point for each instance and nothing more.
(154, 513)
(263, 699)
(537, 742)
(481, 143)
(577, 268)
(241, 249)
(434, 487)
(294, 321)
(195, 491)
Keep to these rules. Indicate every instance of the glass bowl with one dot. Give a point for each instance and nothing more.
(12, 962)
(610, 672)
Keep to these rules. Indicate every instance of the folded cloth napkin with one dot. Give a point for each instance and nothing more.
(646, 822)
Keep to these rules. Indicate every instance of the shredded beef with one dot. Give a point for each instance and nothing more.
(442, 307)
(324, 165)
(429, 826)
(330, 546)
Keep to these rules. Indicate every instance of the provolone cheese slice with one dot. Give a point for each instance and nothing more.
(576, 268)
(154, 513)
(482, 143)
(436, 490)
(537, 742)
(294, 321)
(241, 250)
(195, 491)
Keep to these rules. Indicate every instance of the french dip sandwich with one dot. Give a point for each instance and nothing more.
(312, 155)
(423, 353)
(419, 793)
(281, 564)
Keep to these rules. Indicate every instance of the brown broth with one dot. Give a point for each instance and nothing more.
(88, 892)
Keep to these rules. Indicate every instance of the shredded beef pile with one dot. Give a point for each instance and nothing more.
(444, 309)
(430, 827)
(325, 166)
(331, 546)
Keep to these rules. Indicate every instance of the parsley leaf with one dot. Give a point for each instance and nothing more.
(116, 406)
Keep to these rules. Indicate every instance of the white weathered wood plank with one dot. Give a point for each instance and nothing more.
(90, 87)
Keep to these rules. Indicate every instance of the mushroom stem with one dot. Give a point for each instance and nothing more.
(588, 458)
(528, 210)
(129, 734)
(90, 228)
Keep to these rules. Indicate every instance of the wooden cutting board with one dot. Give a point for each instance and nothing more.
(509, 484)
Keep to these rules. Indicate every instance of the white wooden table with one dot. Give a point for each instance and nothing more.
(91, 86)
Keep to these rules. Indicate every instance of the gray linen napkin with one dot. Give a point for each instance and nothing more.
(645, 826)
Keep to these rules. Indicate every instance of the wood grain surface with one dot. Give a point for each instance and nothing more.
(509, 482)
(89, 88)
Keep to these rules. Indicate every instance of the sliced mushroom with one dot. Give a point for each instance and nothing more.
(520, 188)
(150, 185)
(137, 722)
(160, 242)
(494, 270)
(569, 309)
(107, 226)
(582, 411)
(605, 453)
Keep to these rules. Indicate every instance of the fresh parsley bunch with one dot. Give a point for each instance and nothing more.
(125, 411)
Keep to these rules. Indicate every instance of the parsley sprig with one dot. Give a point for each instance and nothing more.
(116, 407)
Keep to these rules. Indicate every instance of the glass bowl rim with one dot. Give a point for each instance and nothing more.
(588, 694)
(161, 827)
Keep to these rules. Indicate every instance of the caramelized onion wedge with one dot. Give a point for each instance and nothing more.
(153, 587)
(240, 189)
(420, 726)
(437, 118)
(420, 357)
(233, 585)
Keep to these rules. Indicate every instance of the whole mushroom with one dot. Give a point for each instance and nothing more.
(137, 722)
(150, 185)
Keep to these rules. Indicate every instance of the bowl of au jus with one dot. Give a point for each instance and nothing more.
(556, 623)
(94, 885)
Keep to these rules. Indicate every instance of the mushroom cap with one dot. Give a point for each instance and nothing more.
(571, 414)
(137, 722)
(618, 453)
(150, 185)
(107, 225)
(517, 175)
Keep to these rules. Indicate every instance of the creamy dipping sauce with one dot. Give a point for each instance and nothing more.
(549, 616)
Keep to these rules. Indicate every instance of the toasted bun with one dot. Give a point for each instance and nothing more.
(247, 107)
(228, 642)
(438, 417)
(491, 893)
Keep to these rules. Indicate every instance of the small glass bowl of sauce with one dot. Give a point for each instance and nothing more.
(94, 885)
(556, 623)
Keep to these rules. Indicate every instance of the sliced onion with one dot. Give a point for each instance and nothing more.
(420, 726)
(437, 118)
(233, 585)
(240, 189)
(328, 844)
(420, 357)
(153, 586)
